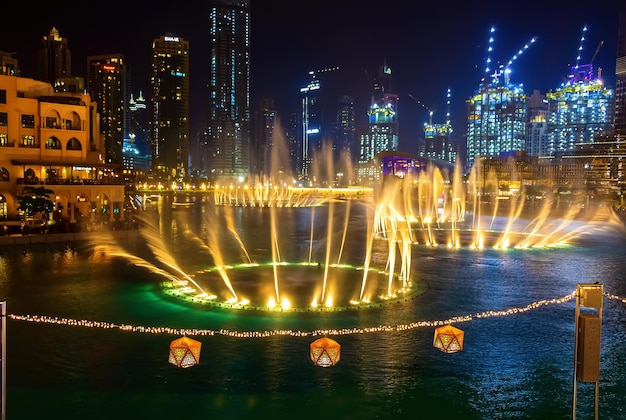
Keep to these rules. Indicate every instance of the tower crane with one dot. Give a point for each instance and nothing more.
(507, 70)
(423, 106)
(503, 69)
(314, 84)
(580, 72)
(596, 53)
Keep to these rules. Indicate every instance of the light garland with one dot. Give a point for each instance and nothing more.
(291, 333)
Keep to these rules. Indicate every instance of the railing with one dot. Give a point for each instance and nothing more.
(74, 181)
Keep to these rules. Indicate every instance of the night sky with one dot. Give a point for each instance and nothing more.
(429, 47)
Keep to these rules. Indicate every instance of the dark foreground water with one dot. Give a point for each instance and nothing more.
(518, 366)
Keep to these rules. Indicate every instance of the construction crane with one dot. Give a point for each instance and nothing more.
(314, 83)
(581, 72)
(314, 73)
(580, 46)
(596, 53)
(489, 50)
(502, 69)
(423, 106)
(507, 68)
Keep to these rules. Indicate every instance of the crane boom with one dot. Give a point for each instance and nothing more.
(596, 53)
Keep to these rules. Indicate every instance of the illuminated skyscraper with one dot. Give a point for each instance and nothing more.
(136, 151)
(106, 83)
(228, 131)
(265, 121)
(383, 130)
(620, 76)
(345, 137)
(496, 114)
(537, 140)
(292, 131)
(438, 143)
(139, 122)
(311, 124)
(54, 60)
(496, 119)
(383, 119)
(170, 108)
(578, 110)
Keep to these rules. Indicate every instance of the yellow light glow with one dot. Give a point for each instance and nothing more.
(285, 304)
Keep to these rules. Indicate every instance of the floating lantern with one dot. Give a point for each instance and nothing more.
(448, 339)
(184, 352)
(325, 352)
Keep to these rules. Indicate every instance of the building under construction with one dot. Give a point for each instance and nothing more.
(496, 114)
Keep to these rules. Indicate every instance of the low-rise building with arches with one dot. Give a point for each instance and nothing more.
(53, 139)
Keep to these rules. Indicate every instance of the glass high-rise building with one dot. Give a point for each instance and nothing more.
(346, 124)
(106, 83)
(311, 125)
(383, 133)
(438, 142)
(265, 121)
(537, 139)
(228, 128)
(496, 121)
(620, 76)
(170, 108)
(54, 60)
(578, 110)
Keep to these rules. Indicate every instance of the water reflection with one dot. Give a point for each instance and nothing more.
(513, 366)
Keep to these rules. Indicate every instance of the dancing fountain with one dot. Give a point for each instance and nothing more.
(301, 235)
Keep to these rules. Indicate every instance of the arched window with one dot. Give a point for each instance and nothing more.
(73, 144)
(52, 119)
(73, 122)
(29, 176)
(53, 143)
(3, 210)
(4, 174)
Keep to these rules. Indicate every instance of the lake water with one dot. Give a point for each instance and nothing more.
(517, 366)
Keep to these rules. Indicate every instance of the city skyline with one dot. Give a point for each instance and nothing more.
(428, 50)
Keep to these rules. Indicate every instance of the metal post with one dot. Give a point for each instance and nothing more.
(4, 358)
(589, 326)
(577, 313)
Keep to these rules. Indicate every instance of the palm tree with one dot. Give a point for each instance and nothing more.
(36, 200)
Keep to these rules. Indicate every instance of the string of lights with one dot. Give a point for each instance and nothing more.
(291, 333)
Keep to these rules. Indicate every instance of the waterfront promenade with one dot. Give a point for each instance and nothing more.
(45, 238)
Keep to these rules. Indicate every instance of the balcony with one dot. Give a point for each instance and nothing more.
(70, 181)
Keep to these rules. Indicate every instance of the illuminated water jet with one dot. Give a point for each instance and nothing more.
(309, 227)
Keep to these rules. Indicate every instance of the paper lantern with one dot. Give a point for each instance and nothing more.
(448, 339)
(184, 352)
(325, 352)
